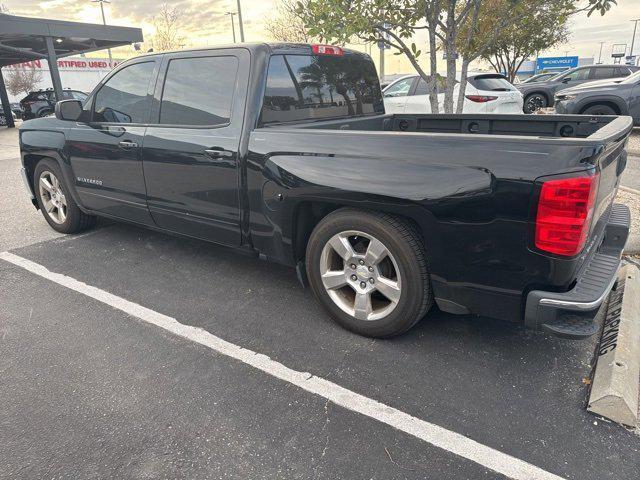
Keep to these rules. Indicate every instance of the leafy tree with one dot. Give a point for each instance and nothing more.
(452, 27)
(519, 40)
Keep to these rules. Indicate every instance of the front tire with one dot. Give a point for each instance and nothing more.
(368, 270)
(599, 110)
(535, 101)
(57, 206)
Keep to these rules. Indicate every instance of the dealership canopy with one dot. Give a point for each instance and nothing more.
(25, 39)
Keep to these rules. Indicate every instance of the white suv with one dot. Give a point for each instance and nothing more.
(485, 93)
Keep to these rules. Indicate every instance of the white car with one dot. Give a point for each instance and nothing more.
(485, 93)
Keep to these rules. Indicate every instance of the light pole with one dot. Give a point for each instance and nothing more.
(600, 55)
(240, 22)
(233, 26)
(104, 22)
(633, 40)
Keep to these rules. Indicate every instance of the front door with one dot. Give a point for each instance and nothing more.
(395, 97)
(190, 152)
(105, 151)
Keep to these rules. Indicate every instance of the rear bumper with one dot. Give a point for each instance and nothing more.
(572, 314)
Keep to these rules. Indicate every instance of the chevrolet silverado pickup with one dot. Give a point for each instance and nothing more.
(284, 151)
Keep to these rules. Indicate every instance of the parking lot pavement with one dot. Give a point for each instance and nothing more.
(631, 176)
(21, 224)
(89, 393)
(519, 392)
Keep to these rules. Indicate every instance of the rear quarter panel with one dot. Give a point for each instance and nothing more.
(469, 194)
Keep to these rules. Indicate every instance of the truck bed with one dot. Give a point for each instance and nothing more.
(600, 128)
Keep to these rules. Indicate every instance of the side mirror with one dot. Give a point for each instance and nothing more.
(566, 80)
(68, 109)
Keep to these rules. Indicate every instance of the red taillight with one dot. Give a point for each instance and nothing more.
(565, 210)
(480, 98)
(327, 50)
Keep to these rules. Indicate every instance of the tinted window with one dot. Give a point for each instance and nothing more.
(580, 74)
(422, 89)
(621, 72)
(199, 91)
(493, 83)
(307, 87)
(123, 99)
(36, 96)
(400, 88)
(604, 72)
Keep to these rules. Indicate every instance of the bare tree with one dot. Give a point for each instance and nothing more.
(22, 79)
(167, 24)
(287, 25)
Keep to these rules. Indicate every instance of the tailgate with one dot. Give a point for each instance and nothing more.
(611, 162)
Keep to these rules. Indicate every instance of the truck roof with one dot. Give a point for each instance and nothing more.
(269, 47)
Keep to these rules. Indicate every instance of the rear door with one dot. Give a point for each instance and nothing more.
(190, 151)
(105, 151)
(418, 100)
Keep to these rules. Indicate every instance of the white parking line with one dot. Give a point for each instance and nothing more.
(435, 435)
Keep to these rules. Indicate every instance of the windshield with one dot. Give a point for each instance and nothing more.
(633, 78)
(318, 87)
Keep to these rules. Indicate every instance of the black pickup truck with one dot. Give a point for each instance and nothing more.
(284, 151)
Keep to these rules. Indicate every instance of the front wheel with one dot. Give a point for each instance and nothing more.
(56, 204)
(534, 102)
(599, 110)
(369, 271)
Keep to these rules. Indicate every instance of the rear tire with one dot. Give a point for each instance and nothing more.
(368, 270)
(599, 110)
(57, 206)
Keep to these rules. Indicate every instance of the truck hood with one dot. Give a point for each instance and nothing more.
(598, 85)
(527, 87)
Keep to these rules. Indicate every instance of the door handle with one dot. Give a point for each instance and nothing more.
(127, 144)
(213, 153)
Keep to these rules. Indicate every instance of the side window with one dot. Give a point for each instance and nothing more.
(580, 74)
(622, 72)
(399, 89)
(199, 91)
(422, 89)
(124, 99)
(605, 72)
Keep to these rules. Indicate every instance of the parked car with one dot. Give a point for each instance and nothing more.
(540, 94)
(485, 93)
(606, 97)
(42, 102)
(3, 118)
(285, 152)
(17, 109)
(540, 77)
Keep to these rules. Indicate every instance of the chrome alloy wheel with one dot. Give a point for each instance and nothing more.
(360, 275)
(53, 198)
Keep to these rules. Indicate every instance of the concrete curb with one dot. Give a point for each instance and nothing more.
(614, 392)
(630, 190)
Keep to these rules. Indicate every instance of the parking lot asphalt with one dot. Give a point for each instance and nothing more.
(90, 392)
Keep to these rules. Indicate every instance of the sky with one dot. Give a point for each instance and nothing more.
(204, 22)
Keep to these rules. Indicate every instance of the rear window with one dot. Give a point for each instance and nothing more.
(494, 83)
(317, 87)
(36, 96)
